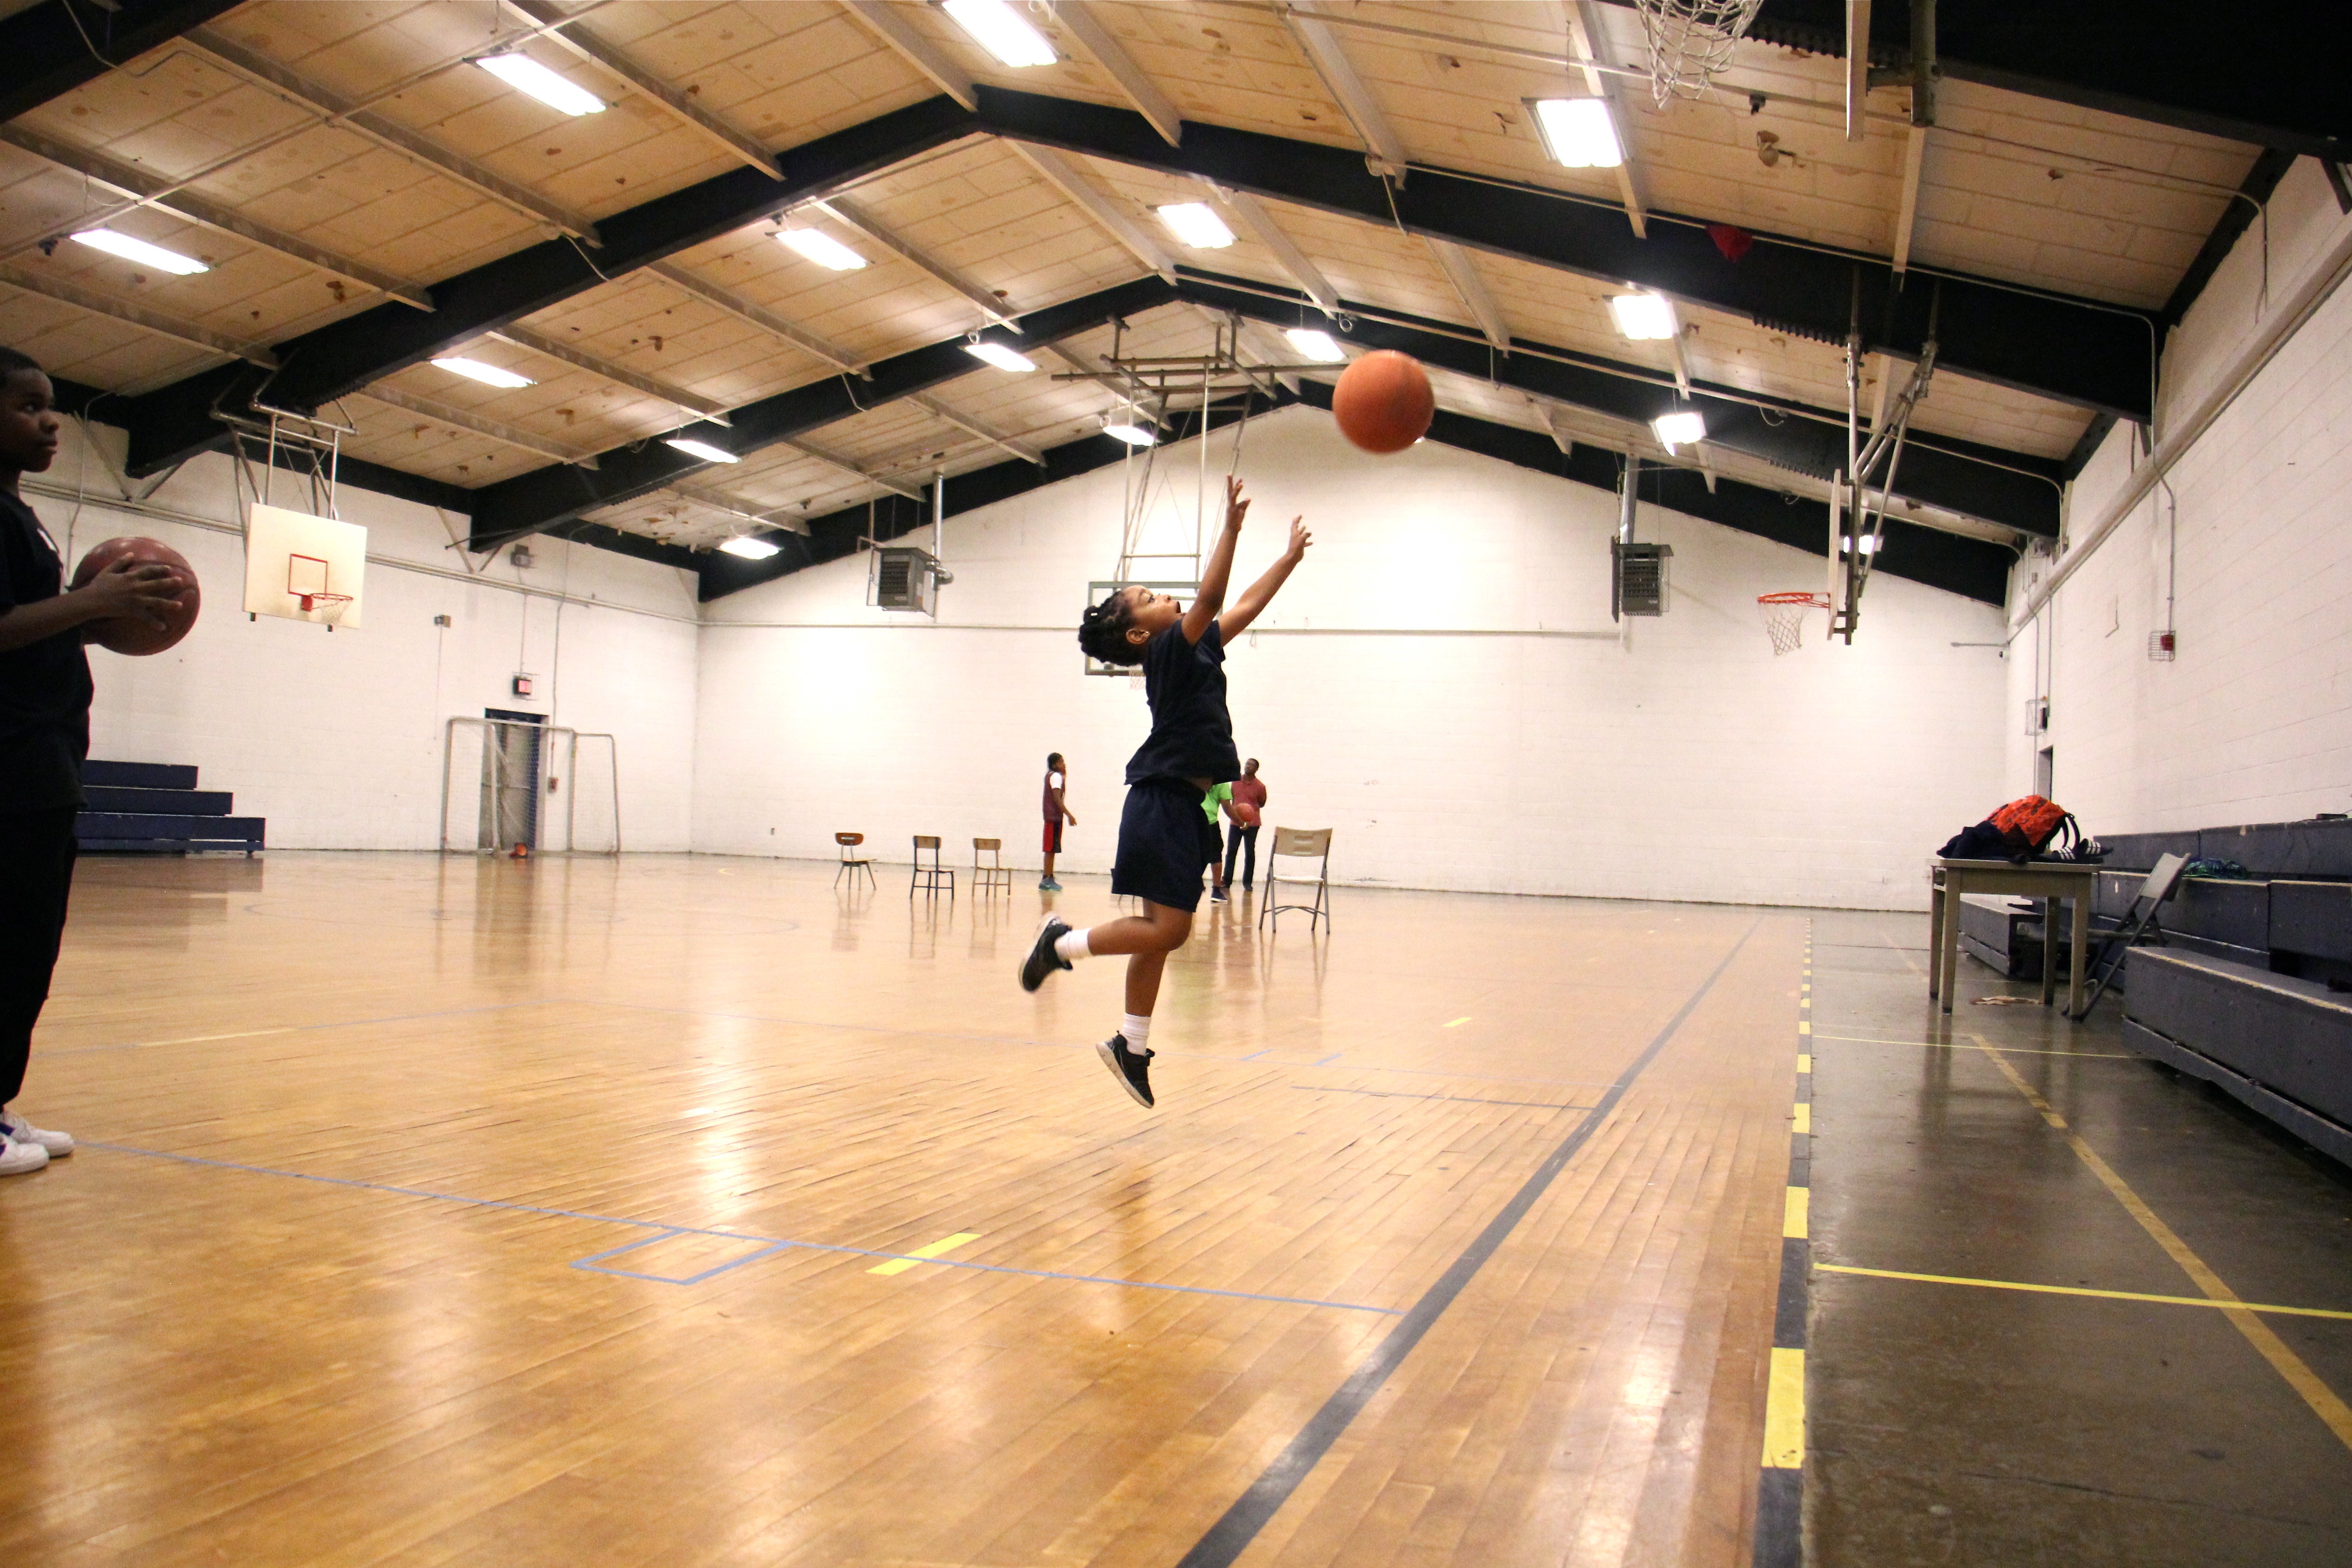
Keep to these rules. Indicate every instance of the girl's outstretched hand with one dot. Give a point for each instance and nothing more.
(1299, 539)
(1237, 503)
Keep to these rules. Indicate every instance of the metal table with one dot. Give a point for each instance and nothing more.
(2050, 881)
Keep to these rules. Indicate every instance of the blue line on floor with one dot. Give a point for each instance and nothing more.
(1465, 1099)
(775, 1243)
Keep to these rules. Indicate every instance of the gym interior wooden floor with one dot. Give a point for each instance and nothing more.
(482, 1212)
(439, 1211)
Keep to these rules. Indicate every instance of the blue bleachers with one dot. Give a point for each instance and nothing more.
(2242, 994)
(155, 808)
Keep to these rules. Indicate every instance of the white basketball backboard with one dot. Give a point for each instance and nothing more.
(303, 567)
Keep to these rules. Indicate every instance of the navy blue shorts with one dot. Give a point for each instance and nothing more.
(1165, 842)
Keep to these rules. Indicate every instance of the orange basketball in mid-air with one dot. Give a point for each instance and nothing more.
(123, 634)
(1384, 402)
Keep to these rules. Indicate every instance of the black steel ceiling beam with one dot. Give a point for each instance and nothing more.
(2270, 76)
(534, 502)
(56, 47)
(1970, 568)
(2014, 489)
(2074, 350)
(174, 422)
(836, 533)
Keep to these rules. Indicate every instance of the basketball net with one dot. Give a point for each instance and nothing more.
(1690, 42)
(1784, 617)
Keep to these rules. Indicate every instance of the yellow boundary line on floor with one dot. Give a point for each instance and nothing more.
(2012, 1049)
(2325, 1402)
(2081, 1291)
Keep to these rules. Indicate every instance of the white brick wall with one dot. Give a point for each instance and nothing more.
(1538, 755)
(336, 738)
(2253, 720)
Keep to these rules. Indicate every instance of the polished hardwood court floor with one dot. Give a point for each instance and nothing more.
(691, 1210)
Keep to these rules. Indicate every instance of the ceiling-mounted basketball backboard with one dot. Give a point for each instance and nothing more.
(303, 567)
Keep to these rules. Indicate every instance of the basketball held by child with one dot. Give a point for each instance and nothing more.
(1384, 402)
(129, 634)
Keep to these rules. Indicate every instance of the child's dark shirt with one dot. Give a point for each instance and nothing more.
(44, 686)
(1191, 734)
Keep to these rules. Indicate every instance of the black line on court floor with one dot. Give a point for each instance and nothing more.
(1240, 1524)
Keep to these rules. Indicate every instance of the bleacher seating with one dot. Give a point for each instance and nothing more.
(155, 808)
(2240, 993)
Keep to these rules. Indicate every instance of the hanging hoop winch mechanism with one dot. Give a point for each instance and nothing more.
(1176, 396)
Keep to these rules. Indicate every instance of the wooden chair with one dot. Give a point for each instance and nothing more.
(931, 877)
(995, 872)
(853, 862)
(1300, 843)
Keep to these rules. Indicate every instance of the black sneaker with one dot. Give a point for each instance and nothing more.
(1218, 895)
(1042, 961)
(1131, 1068)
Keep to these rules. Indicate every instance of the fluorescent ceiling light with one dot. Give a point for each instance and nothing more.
(140, 251)
(1642, 316)
(750, 550)
(526, 75)
(1003, 358)
(1577, 132)
(1001, 31)
(702, 449)
(1196, 225)
(489, 375)
(1320, 346)
(1674, 430)
(822, 248)
(1133, 435)
(1869, 545)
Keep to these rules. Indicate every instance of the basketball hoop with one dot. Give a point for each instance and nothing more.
(1690, 42)
(1784, 617)
(306, 581)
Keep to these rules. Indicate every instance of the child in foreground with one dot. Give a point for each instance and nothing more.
(45, 695)
(1165, 840)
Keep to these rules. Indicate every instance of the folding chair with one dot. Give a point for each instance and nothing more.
(1300, 843)
(996, 873)
(853, 862)
(931, 877)
(2138, 920)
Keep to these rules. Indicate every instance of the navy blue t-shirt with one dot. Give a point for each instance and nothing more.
(44, 686)
(1191, 734)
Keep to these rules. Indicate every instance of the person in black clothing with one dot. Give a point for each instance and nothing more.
(1165, 839)
(44, 735)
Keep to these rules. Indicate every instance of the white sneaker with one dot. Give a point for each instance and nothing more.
(17, 1130)
(21, 1159)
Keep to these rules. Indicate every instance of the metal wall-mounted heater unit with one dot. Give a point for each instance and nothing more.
(904, 579)
(1637, 572)
(1641, 573)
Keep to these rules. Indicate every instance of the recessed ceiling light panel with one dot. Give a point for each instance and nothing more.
(1196, 225)
(1683, 429)
(140, 251)
(1003, 358)
(821, 248)
(475, 370)
(1133, 435)
(749, 548)
(1001, 31)
(526, 75)
(1577, 132)
(1320, 346)
(1644, 316)
(702, 449)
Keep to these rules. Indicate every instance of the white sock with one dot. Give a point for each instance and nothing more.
(1071, 945)
(1137, 1029)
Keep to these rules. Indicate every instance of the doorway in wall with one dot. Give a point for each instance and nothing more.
(511, 778)
(2046, 769)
